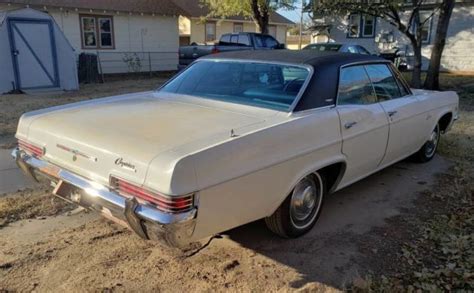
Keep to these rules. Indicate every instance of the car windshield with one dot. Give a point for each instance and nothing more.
(272, 86)
(324, 47)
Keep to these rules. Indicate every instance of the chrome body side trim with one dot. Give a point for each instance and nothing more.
(175, 229)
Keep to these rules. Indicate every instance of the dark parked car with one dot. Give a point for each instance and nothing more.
(227, 43)
(334, 47)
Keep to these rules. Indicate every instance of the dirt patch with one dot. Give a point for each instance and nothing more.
(13, 106)
(98, 255)
(31, 204)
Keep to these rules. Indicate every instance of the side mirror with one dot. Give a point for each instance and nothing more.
(280, 46)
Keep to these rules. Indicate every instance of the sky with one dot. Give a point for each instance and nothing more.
(292, 15)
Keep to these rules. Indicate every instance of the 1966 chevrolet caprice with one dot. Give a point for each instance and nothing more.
(234, 138)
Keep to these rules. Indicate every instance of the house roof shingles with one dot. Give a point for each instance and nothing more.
(159, 7)
(194, 8)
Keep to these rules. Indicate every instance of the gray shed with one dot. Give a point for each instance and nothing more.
(34, 53)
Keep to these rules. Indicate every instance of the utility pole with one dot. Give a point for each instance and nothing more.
(301, 25)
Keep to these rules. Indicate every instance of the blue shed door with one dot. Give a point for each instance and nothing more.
(34, 53)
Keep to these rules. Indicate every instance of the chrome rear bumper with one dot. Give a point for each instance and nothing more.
(147, 221)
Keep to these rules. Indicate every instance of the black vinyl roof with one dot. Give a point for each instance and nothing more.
(322, 89)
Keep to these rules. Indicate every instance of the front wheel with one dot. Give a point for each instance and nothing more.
(300, 210)
(428, 150)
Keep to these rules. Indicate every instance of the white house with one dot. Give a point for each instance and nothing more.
(133, 35)
(377, 35)
(194, 27)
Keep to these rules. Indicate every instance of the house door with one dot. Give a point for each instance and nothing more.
(33, 50)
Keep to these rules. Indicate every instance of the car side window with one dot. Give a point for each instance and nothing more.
(270, 42)
(234, 39)
(355, 87)
(404, 89)
(225, 39)
(244, 40)
(384, 82)
(258, 41)
(352, 50)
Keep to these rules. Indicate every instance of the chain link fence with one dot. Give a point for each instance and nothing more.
(136, 62)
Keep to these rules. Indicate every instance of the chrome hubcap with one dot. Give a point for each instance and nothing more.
(305, 202)
(432, 143)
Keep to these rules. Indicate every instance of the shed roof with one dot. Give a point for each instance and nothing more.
(160, 7)
(194, 8)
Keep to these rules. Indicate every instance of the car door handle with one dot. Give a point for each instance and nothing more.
(392, 113)
(350, 124)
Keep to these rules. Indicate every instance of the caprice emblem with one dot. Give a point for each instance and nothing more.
(126, 165)
(76, 153)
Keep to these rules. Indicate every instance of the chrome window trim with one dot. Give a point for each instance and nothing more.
(310, 111)
(298, 97)
(359, 63)
(400, 81)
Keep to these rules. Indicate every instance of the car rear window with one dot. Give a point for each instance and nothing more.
(272, 86)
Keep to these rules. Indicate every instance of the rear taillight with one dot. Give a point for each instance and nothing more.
(30, 148)
(169, 204)
(215, 50)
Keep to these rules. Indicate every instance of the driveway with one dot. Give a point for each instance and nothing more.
(11, 178)
(84, 252)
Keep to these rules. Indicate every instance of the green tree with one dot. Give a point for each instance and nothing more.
(403, 15)
(258, 10)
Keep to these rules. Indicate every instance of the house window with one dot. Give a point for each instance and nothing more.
(368, 26)
(210, 31)
(97, 32)
(361, 26)
(238, 27)
(354, 25)
(426, 29)
(272, 31)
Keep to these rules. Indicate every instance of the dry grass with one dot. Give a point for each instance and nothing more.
(13, 106)
(439, 253)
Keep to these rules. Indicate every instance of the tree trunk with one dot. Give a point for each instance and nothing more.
(416, 74)
(416, 44)
(261, 16)
(432, 77)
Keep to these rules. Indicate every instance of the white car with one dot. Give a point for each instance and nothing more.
(234, 138)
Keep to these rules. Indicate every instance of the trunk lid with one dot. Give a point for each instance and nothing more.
(122, 136)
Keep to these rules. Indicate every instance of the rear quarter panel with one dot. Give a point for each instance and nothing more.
(247, 178)
(437, 104)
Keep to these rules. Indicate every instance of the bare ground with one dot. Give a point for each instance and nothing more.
(362, 232)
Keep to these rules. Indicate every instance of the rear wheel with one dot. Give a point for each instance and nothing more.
(300, 210)
(428, 150)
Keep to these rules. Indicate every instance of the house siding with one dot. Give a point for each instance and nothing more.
(160, 36)
(457, 55)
